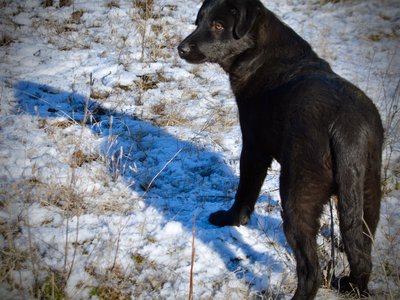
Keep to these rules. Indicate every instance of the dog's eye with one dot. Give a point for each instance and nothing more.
(218, 27)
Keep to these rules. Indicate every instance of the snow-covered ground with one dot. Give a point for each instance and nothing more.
(112, 150)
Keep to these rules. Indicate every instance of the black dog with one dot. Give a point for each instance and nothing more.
(325, 133)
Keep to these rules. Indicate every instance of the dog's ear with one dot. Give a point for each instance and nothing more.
(245, 17)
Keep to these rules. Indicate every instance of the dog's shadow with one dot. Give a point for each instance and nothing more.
(178, 178)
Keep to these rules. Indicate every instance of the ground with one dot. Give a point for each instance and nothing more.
(113, 153)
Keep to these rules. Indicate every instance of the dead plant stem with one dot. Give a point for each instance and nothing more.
(192, 258)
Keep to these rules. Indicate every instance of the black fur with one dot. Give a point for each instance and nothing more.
(325, 133)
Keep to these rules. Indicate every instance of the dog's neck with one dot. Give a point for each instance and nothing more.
(277, 56)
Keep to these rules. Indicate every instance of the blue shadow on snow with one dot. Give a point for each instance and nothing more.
(195, 181)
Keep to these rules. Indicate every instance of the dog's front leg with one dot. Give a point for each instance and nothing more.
(253, 169)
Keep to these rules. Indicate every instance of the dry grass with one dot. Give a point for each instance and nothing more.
(126, 282)
(21, 260)
(145, 8)
(165, 115)
(76, 17)
(391, 165)
(112, 284)
(113, 3)
(47, 3)
(156, 43)
(145, 83)
(5, 40)
(66, 3)
(52, 287)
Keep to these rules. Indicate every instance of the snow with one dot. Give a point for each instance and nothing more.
(105, 202)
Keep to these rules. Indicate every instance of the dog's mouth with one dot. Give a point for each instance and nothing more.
(195, 60)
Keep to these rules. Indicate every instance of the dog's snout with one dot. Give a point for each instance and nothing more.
(189, 48)
(184, 49)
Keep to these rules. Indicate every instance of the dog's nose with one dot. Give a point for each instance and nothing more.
(183, 49)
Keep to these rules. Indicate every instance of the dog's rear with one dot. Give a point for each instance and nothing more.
(326, 134)
(357, 139)
(332, 145)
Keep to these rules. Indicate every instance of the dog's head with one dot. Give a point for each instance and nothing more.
(223, 29)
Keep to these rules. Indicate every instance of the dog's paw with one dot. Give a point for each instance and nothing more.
(226, 218)
(221, 218)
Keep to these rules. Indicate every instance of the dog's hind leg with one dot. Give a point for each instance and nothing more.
(372, 200)
(370, 217)
(350, 152)
(303, 198)
(372, 193)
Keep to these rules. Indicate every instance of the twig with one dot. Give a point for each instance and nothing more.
(75, 248)
(117, 248)
(162, 169)
(66, 245)
(85, 114)
(31, 251)
(192, 259)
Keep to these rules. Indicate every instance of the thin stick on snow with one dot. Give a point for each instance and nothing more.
(192, 259)
(75, 245)
(31, 251)
(162, 169)
(66, 245)
(87, 98)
